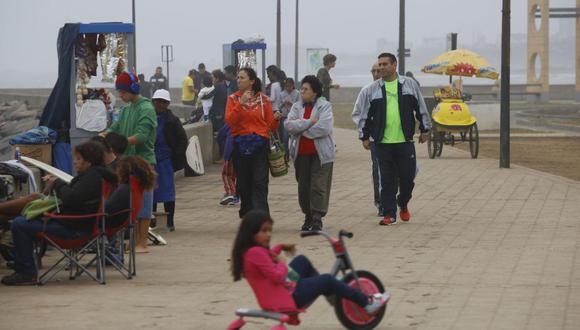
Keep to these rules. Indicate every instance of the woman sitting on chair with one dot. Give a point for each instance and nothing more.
(81, 196)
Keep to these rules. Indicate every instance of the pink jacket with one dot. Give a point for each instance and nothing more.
(268, 279)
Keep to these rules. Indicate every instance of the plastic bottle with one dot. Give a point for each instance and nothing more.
(17, 153)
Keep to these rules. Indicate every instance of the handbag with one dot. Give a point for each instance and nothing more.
(276, 152)
(38, 207)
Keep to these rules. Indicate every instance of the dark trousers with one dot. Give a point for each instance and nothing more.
(252, 175)
(398, 165)
(311, 285)
(314, 183)
(24, 235)
(376, 176)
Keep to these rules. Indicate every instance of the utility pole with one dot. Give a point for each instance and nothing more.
(504, 138)
(296, 45)
(134, 38)
(401, 55)
(167, 56)
(278, 37)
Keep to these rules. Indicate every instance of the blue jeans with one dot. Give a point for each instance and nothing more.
(24, 235)
(311, 285)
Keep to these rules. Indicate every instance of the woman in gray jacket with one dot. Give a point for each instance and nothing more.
(309, 125)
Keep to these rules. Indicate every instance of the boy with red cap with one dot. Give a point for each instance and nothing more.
(138, 122)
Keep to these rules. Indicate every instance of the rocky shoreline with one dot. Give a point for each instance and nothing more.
(15, 117)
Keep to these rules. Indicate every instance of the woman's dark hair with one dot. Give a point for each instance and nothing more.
(289, 81)
(218, 74)
(117, 142)
(314, 83)
(249, 227)
(257, 86)
(328, 59)
(137, 166)
(100, 139)
(91, 151)
(207, 81)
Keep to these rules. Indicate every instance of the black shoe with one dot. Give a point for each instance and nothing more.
(316, 225)
(306, 226)
(19, 279)
(171, 228)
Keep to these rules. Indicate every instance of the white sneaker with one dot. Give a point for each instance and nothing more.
(377, 301)
(226, 200)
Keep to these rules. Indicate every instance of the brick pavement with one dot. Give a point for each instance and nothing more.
(486, 248)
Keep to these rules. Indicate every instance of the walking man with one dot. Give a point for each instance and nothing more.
(388, 111)
(376, 74)
(158, 80)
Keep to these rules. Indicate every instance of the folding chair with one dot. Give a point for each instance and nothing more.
(75, 250)
(118, 231)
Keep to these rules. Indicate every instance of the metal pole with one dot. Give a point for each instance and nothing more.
(504, 146)
(278, 36)
(167, 64)
(134, 37)
(401, 37)
(296, 45)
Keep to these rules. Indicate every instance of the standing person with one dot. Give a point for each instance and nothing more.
(250, 117)
(203, 73)
(170, 149)
(205, 97)
(275, 89)
(188, 91)
(388, 108)
(145, 87)
(158, 80)
(137, 122)
(412, 76)
(289, 96)
(376, 74)
(226, 139)
(231, 76)
(220, 97)
(329, 62)
(310, 124)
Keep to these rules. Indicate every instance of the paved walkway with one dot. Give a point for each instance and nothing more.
(486, 249)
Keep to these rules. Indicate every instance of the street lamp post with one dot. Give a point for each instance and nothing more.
(134, 36)
(504, 146)
(278, 36)
(401, 54)
(296, 45)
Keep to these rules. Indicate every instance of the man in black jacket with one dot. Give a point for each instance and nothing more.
(389, 108)
(170, 149)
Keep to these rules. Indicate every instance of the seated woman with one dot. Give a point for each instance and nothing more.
(119, 200)
(81, 196)
(276, 288)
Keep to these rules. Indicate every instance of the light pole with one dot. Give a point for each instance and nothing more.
(134, 37)
(296, 45)
(401, 54)
(278, 36)
(504, 137)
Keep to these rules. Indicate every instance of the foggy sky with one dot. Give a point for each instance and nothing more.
(197, 29)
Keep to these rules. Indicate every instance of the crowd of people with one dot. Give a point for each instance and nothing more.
(149, 141)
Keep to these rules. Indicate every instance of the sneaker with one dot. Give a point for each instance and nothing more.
(226, 200)
(316, 225)
(307, 226)
(376, 302)
(388, 221)
(19, 279)
(405, 214)
(234, 201)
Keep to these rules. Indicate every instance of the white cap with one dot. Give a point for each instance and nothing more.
(161, 94)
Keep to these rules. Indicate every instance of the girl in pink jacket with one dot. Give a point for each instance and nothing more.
(279, 287)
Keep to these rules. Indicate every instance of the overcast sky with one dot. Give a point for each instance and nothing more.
(197, 29)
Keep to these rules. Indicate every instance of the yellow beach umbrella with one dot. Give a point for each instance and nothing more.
(461, 62)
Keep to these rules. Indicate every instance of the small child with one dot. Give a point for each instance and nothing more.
(289, 96)
(283, 288)
(205, 96)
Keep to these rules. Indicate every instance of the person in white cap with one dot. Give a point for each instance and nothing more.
(170, 149)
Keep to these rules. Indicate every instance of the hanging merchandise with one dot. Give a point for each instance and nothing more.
(92, 116)
(114, 56)
(247, 59)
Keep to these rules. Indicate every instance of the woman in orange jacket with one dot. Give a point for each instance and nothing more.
(250, 117)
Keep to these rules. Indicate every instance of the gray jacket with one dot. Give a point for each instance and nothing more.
(321, 132)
